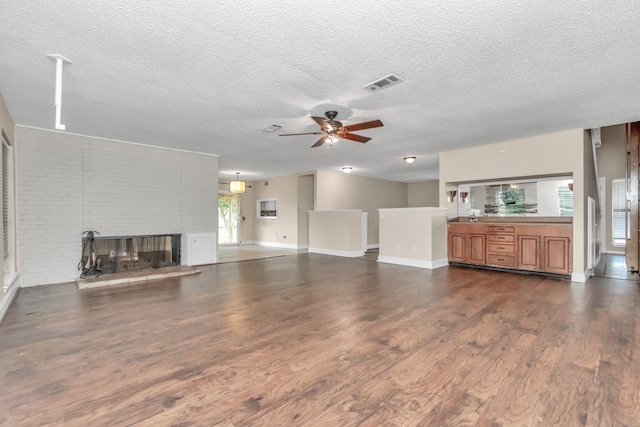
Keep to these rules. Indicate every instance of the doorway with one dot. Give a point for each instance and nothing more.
(228, 219)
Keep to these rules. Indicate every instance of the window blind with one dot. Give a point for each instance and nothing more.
(619, 199)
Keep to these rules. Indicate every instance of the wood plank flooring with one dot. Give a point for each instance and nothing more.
(314, 340)
(236, 253)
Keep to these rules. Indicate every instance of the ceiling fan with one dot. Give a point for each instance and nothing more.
(333, 129)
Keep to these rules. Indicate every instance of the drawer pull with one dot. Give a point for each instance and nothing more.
(501, 228)
(500, 247)
(501, 237)
(500, 259)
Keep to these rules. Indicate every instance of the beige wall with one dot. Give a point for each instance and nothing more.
(282, 231)
(414, 236)
(561, 153)
(336, 232)
(423, 194)
(337, 190)
(247, 203)
(306, 188)
(611, 165)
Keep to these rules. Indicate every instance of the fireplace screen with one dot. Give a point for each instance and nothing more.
(126, 253)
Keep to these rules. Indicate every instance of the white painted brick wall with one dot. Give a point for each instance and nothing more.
(69, 183)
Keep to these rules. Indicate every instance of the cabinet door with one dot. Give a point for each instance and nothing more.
(476, 252)
(529, 253)
(557, 255)
(456, 247)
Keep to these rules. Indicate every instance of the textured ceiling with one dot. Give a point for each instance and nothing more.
(208, 76)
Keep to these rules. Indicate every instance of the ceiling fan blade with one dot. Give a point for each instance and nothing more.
(320, 141)
(307, 133)
(361, 126)
(352, 137)
(324, 124)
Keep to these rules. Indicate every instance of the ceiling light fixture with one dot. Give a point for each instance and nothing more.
(410, 159)
(237, 186)
(347, 169)
(333, 140)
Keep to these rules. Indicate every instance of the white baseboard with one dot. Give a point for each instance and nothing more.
(247, 242)
(613, 252)
(581, 277)
(276, 245)
(9, 295)
(410, 262)
(302, 247)
(374, 246)
(352, 254)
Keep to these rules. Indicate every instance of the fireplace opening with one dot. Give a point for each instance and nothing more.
(118, 254)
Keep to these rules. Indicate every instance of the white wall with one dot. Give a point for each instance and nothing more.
(71, 183)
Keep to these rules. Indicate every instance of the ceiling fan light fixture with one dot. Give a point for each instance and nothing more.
(237, 186)
(410, 159)
(347, 169)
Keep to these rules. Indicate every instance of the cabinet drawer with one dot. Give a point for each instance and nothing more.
(502, 229)
(506, 238)
(501, 248)
(502, 260)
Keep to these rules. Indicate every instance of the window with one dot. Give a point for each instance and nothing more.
(619, 214)
(267, 208)
(5, 196)
(565, 200)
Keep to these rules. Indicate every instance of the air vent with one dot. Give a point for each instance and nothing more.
(274, 127)
(383, 83)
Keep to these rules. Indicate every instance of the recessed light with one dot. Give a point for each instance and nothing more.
(347, 169)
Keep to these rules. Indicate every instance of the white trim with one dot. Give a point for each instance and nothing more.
(420, 208)
(302, 247)
(352, 254)
(581, 277)
(118, 140)
(411, 262)
(10, 294)
(614, 252)
(247, 242)
(373, 246)
(335, 210)
(276, 245)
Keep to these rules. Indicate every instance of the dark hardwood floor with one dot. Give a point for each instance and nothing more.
(313, 340)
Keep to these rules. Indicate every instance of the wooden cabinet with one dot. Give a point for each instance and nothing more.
(556, 255)
(532, 247)
(529, 253)
(456, 247)
(476, 248)
(467, 244)
(500, 246)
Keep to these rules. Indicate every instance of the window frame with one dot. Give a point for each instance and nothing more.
(5, 195)
(259, 209)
